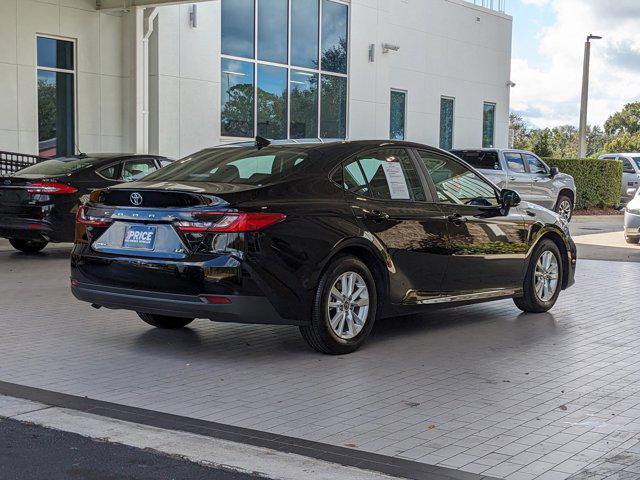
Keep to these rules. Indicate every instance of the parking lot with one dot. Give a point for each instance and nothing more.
(482, 388)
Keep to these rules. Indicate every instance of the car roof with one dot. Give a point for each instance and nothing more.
(626, 154)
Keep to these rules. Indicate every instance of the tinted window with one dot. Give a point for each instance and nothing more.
(535, 165)
(333, 122)
(244, 165)
(237, 98)
(387, 174)
(304, 104)
(626, 166)
(455, 184)
(272, 101)
(514, 162)
(56, 167)
(54, 53)
(272, 30)
(479, 159)
(446, 123)
(488, 125)
(398, 115)
(304, 33)
(110, 173)
(334, 36)
(237, 28)
(137, 169)
(637, 160)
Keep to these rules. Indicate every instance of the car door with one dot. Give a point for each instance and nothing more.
(542, 190)
(629, 175)
(487, 249)
(518, 178)
(385, 189)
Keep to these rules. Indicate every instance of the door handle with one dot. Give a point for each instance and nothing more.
(457, 219)
(512, 179)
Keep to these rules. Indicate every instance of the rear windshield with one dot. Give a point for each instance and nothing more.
(237, 165)
(56, 167)
(479, 159)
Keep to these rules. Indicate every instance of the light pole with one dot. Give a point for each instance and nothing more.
(582, 146)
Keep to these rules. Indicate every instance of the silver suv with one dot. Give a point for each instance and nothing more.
(526, 173)
(630, 173)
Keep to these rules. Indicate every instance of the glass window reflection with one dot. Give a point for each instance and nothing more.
(237, 28)
(488, 125)
(333, 110)
(237, 98)
(334, 36)
(272, 102)
(304, 33)
(446, 123)
(53, 53)
(398, 115)
(272, 30)
(303, 89)
(56, 125)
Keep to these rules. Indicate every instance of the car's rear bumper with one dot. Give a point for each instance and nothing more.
(24, 228)
(240, 309)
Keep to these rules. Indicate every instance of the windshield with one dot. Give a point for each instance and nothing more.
(245, 165)
(487, 160)
(637, 160)
(55, 167)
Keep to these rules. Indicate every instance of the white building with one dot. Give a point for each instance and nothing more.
(80, 74)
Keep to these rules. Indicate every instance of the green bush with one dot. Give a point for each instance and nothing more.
(598, 182)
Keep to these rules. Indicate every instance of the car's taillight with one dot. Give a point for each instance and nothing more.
(50, 188)
(229, 222)
(85, 218)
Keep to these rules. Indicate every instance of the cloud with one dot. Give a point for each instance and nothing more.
(548, 92)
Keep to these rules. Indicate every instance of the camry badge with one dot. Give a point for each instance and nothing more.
(136, 199)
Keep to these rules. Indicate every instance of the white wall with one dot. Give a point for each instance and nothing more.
(101, 73)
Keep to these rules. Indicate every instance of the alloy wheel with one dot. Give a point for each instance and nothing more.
(348, 305)
(546, 276)
(564, 209)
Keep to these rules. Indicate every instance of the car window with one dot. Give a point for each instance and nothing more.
(487, 160)
(164, 162)
(456, 184)
(515, 162)
(535, 165)
(626, 166)
(386, 174)
(637, 160)
(56, 167)
(137, 169)
(110, 172)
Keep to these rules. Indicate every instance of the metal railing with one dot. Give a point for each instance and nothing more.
(498, 5)
(12, 162)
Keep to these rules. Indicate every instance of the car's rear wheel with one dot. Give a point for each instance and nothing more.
(344, 309)
(564, 207)
(163, 321)
(543, 280)
(28, 246)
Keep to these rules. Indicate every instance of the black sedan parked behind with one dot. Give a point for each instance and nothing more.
(328, 237)
(38, 204)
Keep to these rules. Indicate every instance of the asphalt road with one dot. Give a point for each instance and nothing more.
(31, 452)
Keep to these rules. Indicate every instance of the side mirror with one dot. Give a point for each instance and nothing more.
(553, 171)
(510, 198)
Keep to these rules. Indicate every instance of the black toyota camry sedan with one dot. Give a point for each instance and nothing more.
(329, 237)
(38, 204)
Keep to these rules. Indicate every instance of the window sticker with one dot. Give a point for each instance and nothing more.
(398, 188)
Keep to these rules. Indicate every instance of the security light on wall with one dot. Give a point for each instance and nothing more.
(511, 84)
(193, 16)
(388, 47)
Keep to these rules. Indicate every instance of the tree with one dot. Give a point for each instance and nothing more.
(519, 130)
(627, 142)
(540, 142)
(596, 139)
(626, 121)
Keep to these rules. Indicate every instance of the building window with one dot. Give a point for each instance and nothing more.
(488, 125)
(447, 111)
(56, 97)
(284, 68)
(398, 115)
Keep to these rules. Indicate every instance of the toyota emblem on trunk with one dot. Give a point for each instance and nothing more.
(136, 199)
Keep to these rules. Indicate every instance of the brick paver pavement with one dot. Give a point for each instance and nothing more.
(481, 388)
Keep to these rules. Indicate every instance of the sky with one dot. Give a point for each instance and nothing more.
(547, 56)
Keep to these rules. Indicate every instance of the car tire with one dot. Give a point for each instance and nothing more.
(564, 207)
(333, 328)
(28, 246)
(632, 240)
(164, 321)
(545, 266)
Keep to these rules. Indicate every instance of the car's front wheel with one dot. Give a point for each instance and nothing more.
(632, 240)
(543, 280)
(164, 321)
(344, 309)
(564, 207)
(28, 246)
